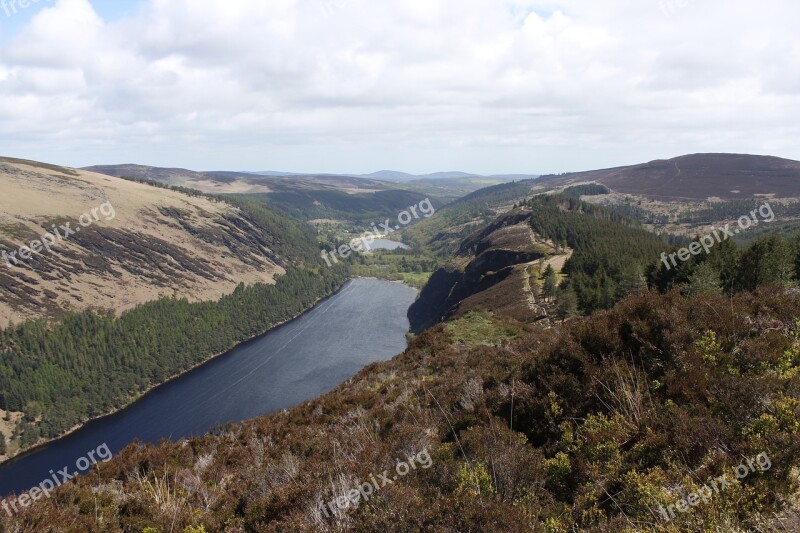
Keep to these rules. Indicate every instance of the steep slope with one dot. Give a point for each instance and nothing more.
(593, 426)
(697, 177)
(599, 251)
(136, 284)
(486, 274)
(139, 244)
(457, 220)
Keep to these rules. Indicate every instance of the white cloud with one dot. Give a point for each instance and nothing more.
(354, 85)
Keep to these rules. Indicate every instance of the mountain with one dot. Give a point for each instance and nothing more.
(115, 286)
(402, 177)
(697, 177)
(391, 175)
(142, 244)
(223, 182)
(511, 409)
(325, 198)
(320, 196)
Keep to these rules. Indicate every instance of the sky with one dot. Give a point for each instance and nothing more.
(355, 86)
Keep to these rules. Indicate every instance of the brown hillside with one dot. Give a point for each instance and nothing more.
(158, 243)
(698, 177)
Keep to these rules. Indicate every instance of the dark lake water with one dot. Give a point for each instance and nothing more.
(364, 323)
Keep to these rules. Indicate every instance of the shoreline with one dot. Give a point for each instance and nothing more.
(150, 389)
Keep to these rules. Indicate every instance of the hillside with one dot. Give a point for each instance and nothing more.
(222, 182)
(697, 177)
(596, 425)
(513, 414)
(604, 255)
(457, 220)
(125, 285)
(145, 244)
(326, 199)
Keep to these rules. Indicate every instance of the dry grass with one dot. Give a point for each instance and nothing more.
(68, 278)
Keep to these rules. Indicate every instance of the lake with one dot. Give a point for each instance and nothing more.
(386, 244)
(363, 323)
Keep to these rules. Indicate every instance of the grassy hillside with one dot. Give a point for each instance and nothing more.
(139, 243)
(360, 209)
(604, 256)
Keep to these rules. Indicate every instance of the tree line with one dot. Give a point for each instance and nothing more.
(90, 363)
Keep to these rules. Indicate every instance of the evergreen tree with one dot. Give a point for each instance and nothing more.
(550, 283)
(770, 261)
(705, 280)
(566, 303)
(608, 293)
(633, 282)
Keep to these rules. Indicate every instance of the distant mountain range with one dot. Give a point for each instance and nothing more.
(444, 186)
(686, 178)
(403, 177)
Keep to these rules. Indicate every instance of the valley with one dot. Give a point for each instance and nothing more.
(327, 266)
(547, 350)
(278, 370)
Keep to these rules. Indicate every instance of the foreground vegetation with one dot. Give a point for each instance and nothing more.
(592, 425)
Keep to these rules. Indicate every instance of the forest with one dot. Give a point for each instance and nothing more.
(91, 363)
(611, 252)
(614, 257)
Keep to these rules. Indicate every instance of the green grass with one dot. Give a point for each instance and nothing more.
(478, 328)
(411, 268)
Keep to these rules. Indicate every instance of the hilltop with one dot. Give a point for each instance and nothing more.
(697, 177)
(158, 243)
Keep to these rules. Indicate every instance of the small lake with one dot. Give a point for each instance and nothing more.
(386, 244)
(365, 322)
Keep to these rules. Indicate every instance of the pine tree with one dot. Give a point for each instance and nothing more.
(550, 283)
(566, 304)
(705, 280)
(633, 282)
(770, 261)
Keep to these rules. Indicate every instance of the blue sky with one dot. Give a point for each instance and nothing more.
(11, 22)
(353, 86)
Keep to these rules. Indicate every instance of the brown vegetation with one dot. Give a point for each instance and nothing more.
(592, 425)
(697, 177)
(159, 243)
